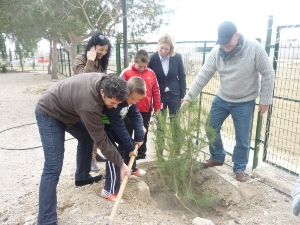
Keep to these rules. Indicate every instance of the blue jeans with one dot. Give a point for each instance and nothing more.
(52, 132)
(242, 116)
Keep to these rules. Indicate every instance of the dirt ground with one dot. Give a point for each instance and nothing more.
(264, 199)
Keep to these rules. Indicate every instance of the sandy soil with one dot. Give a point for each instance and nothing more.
(263, 199)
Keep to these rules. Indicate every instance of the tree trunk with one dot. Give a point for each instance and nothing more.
(50, 57)
(73, 53)
(54, 59)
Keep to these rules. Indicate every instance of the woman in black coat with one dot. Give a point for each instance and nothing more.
(169, 70)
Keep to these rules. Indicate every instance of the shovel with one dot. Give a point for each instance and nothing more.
(120, 194)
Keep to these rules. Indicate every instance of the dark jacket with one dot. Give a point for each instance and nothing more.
(116, 125)
(176, 78)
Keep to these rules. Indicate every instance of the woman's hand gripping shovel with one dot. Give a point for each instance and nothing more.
(121, 191)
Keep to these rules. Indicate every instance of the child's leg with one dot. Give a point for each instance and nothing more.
(127, 159)
(143, 149)
(94, 152)
(112, 178)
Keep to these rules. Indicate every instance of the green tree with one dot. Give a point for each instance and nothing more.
(72, 22)
(2, 47)
(19, 21)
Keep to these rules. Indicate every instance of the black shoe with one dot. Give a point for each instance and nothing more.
(91, 180)
(141, 157)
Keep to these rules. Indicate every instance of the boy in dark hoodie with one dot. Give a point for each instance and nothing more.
(117, 133)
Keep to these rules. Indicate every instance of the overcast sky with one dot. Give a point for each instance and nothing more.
(198, 20)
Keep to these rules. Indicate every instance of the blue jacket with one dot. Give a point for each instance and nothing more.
(115, 123)
(175, 79)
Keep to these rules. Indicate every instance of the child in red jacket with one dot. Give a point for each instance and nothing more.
(151, 102)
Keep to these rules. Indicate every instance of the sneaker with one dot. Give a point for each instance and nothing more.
(110, 197)
(139, 173)
(94, 166)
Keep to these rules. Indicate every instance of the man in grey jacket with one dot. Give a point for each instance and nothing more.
(239, 62)
(75, 105)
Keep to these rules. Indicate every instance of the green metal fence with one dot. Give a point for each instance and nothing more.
(64, 62)
(282, 140)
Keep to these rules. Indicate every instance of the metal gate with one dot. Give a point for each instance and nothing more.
(282, 140)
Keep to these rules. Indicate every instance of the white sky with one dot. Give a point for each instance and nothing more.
(198, 20)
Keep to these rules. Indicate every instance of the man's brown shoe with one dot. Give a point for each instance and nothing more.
(99, 158)
(241, 177)
(211, 163)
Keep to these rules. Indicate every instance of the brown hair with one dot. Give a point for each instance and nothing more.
(169, 40)
(137, 85)
(141, 56)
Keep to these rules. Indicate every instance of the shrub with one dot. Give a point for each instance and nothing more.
(3, 68)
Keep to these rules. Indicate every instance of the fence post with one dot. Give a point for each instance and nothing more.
(118, 58)
(276, 49)
(69, 63)
(257, 141)
(200, 101)
(61, 62)
(259, 117)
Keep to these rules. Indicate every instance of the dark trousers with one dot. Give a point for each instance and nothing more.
(112, 173)
(172, 103)
(146, 121)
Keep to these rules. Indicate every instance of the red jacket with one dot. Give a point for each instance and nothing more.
(152, 93)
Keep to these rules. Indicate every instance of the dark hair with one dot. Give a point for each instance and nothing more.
(137, 85)
(113, 86)
(141, 56)
(101, 39)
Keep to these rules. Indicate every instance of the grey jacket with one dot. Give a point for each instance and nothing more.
(239, 76)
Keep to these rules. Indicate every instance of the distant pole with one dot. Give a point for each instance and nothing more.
(125, 41)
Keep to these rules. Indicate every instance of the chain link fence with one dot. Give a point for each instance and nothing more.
(25, 62)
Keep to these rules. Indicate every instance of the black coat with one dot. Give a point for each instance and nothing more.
(176, 78)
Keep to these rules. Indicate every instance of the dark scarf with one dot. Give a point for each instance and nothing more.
(228, 55)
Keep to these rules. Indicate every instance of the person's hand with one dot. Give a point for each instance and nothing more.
(133, 153)
(155, 113)
(145, 130)
(92, 53)
(124, 171)
(263, 108)
(139, 143)
(185, 103)
(181, 100)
